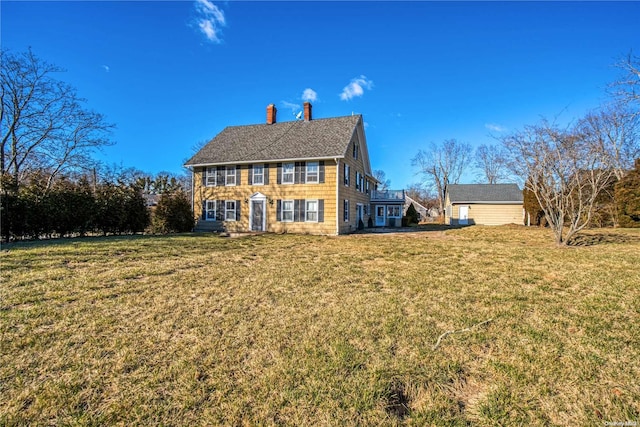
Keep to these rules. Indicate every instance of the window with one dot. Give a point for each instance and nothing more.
(346, 174)
(312, 172)
(230, 210)
(367, 187)
(359, 182)
(355, 150)
(393, 211)
(287, 211)
(346, 211)
(311, 209)
(210, 177)
(258, 175)
(288, 170)
(231, 175)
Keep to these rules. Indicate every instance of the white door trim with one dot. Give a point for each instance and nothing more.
(463, 219)
(258, 197)
(384, 215)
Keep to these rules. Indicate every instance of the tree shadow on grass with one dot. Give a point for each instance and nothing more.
(603, 238)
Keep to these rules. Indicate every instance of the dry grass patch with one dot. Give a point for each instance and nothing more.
(304, 330)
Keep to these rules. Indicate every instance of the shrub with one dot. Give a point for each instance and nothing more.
(412, 215)
(533, 208)
(173, 214)
(627, 196)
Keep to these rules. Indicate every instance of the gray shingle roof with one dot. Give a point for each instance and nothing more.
(321, 138)
(490, 193)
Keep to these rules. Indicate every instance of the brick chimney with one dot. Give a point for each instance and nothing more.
(271, 114)
(307, 111)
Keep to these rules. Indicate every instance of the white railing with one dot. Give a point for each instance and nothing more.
(387, 195)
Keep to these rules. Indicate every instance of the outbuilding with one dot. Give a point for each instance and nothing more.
(483, 204)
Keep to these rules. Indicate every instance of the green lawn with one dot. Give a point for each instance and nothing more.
(306, 330)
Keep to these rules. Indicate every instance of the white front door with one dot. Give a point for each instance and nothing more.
(380, 215)
(463, 216)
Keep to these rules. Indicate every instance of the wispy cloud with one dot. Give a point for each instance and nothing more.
(309, 95)
(495, 127)
(106, 68)
(210, 20)
(356, 88)
(294, 107)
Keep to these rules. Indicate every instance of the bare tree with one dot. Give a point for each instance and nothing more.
(422, 195)
(45, 127)
(492, 163)
(564, 170)
(614, 131)
(442, 164)
(384, 183)
(626, 89)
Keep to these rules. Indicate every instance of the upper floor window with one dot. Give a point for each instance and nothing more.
(258, 174)
(230, 175)
(355, 150)
(210, 177)
(288, 172)
(312, 172)
(346, 174)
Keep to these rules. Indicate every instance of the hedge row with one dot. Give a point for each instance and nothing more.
(77, 208)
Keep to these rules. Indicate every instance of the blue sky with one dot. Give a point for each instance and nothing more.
(173, 74)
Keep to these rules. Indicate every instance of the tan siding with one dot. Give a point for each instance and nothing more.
(274, 191)
(350, 193)
(447, 209)
(489, 214)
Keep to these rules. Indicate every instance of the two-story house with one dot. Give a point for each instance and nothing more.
(303, 176)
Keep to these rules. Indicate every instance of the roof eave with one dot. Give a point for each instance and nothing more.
(249, 162)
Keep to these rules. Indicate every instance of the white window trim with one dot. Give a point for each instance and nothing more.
(226, 210)
(317, 179)
(227, 175)
(347, 175)
(346, 214)
(292, 173)
(393, 207)
(306, 211)
(282, 211)
(211, 172)
(254, 174)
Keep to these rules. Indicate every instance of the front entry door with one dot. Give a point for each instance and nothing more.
(210, 214)
(257, 215)
(464, 215)
(380, 218)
